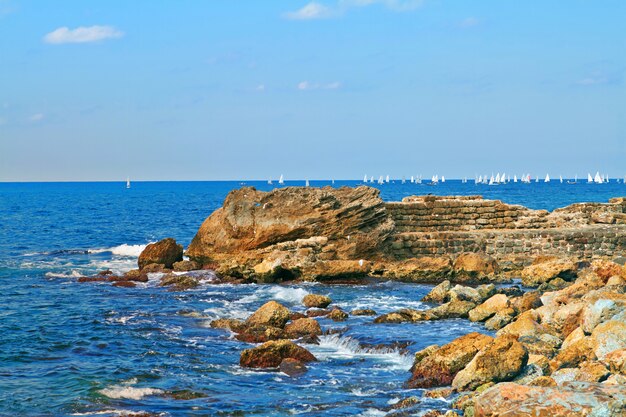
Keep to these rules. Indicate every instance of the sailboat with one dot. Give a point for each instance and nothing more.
(597, 179)
(365, 179)
(403, 180)
(372, 179)
(561, 178)
(381, 180)
(306, 183)
(537, 178)
(127, 182)
(269, 181)
(387, 179)
(443, 179)
(547, 178)
(281, 180)
(514, 178)
(492, 181)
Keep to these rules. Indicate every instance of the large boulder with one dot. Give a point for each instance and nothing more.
(271, 313)
(423, 269)
(474, 267)
(303, 327)
(271, 354)
(501, 360)
(440, 366)
(165, 252)
(546, 269)
(250, 220)
(316, 301)
(572, 399)
(489, 308)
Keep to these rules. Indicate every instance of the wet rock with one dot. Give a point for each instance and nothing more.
(438, 393)
(270, 314)
(337, 315)
(512, 291)
(136, 275)
(546, 269)
(292, 367)
(489, 308)
(233, 325)
(363, 312)
(93, 279)
(186, 266)
(452, 309)
(405, 315)
(260, 333)
(185, 394)
(125, 284)
(441, 366)
(271, 354)
(316, 301)
(303, 327)
(165, 252)
(501, 360)
(439, 294)
(179, 282)
(553, 285)
(406, 403)
(572, 399)
(154, 268)
(317, 312)
(475, 267)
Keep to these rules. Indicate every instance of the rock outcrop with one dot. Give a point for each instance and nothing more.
(164, 252)
(271, 354)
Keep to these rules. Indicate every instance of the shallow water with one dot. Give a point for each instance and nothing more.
(93, 349)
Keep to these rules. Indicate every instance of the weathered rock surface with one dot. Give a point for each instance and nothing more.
(439, 367)
(572, 399)
(316, 301)
(292, 367)
(271, 313)
(165, 252)
(545, 270)
(303, 327)
(271, 354)
(500, 360)
(489, 308)
(474, 267)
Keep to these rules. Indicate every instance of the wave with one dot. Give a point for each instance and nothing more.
(289, 295)
(127, 392)
(337, 346)
(131, 251)
(73, 274)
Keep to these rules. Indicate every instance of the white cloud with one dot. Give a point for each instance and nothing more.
(469, 22)
(36, 117)
(310, 11)
(592, 81)
(306, 85)
(260, 87)
(82, 34)
(315, 10)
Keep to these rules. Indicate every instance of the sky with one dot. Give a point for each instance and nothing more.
(222, 89)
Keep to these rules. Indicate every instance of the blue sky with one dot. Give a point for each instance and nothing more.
(155, 90)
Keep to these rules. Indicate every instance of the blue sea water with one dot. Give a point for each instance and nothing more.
(92, 349)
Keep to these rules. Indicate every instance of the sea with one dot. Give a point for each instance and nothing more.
(90, 349)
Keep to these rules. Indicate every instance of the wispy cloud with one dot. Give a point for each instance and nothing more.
(315, 10)
(604, 76)
(469, 22)
(83, 34)
(307, 85)
(260, 87)
(6, 7)
(37, 117)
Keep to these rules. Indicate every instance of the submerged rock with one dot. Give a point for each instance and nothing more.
(165, 252)
(292, 367)
(179, 282)
(271, 354)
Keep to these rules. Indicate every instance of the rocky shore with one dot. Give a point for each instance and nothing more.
(555, 338)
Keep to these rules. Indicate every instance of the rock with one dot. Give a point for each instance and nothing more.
(452, 309)
(186, 266)
(185, 394)
(233, 325)
(474, 267)
(528, 301)
(441, 366)
(489, 308)
(126, 284)
(270, 314)
(500, 360)
(97, 278)
(575, 349)
(405, 403)
(572, 399)
(461, 293)
(136, 275)
(486, 291)
(337, 315)
(154, 268)
(498, 321)
(422, 269)
(438, 393)
(608, 337)
(271, 354)
(541, 344)
(616, 361)
(317, 312)
(599, 311)
(547, 269)
(363, 312)
(316, 301)
(303, 327)
(165, 252)
(253, 220)
(607, 269)
(179, 282)
(439, 294)
(260, 333)
(542, 381)
(292, 367)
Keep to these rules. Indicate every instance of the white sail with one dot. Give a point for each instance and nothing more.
(547, 178)
(269, 181)
(403, 180)
(372, 179)
(127, 182)
(537, 178)
(381, 180)
(412, 179)
(589, 178)
(561, 178)
(387, 179)
(306, 183)
(514, 178)
(365, 178)
(491, 180)
(443, 179)
(281, 180)
(597, 179)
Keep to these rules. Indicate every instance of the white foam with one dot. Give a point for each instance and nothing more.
(337, 346)
(101, 412)
(131, 251)
(73, 274)
(365, 393)
(372, 412)
(127, 392)
(288, 295)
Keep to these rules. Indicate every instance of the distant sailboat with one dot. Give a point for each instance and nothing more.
(443, 179)
(492, 181)
(306, 183)
(387, 179)
(514, 178)
(412, 179)
(281, 180)
(589, 178)
(372, 179)
(537, 178)
(403, 180)
(381, 180)
(547, 178)
(365, 178)
(127, 182)
(597, 179)
(561, 178)
(270, 181)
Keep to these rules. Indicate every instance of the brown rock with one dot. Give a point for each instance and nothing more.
(271, 354)
(337, 315)
(233, 325)
(317, 312)
(489, 308)
(292, 367)
(260, 333)
(270, 314)
(439, 294)
(548, 269)
(165, 252)
(441, 366)
(316, 301)
(363, 312)
(179, 282)
(573, 399)
(126, 284)
(501, 360)
(423, 269)
(151, 268)
(474, 267)
(303, 327)
(186, 266)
